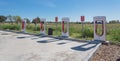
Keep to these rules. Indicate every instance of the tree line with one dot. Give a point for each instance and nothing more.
(17, 19)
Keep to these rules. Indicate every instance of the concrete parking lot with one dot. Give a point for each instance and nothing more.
(24, 47)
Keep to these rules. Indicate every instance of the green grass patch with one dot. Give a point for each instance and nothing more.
(75, 30)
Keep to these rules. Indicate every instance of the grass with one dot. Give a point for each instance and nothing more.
(75, 30)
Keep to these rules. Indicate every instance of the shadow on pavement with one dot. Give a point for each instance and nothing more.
(48, 41)
(22, 37)
(86, 46)
(61, 43)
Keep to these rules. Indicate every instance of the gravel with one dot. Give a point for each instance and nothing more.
(107, 53)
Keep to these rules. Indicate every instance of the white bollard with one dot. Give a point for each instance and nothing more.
(101, 20)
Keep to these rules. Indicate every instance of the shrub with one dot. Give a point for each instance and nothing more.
(30, 27)
(10, 27)
(87, 32)
(115, 36)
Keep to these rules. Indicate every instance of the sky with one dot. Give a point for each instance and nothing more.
(73, 9)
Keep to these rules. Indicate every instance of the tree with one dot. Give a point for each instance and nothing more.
(27, 21)
(36, 20)
(10, 18)
(19, 19)
(114, 21)
(2, 18)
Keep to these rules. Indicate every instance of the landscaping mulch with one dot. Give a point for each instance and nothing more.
(107, 53)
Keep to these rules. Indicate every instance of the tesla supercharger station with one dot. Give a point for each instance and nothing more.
(65, 33)
(43, 26)
(100, 20)
(24, 25)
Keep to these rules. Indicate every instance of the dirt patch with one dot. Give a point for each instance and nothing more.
(107, 53)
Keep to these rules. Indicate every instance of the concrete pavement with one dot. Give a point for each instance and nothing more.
(24, 47)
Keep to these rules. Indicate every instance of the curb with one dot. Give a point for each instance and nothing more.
(93, 52)
(56, 37)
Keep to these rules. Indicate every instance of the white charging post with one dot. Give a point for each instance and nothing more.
(43, 26)
(100, 20)
(65, 33)
(24, 25)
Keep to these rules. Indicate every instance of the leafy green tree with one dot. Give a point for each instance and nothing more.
(13, 19)
(114, 21)
(27, 21)
(10, 18)
(36, 20)
(17, 19)
(2, 18)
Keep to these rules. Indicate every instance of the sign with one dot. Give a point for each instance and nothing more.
(56, 19)
(82, 18)
(35, 20)
(23, 23)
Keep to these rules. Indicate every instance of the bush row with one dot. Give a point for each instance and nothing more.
(10, 27)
